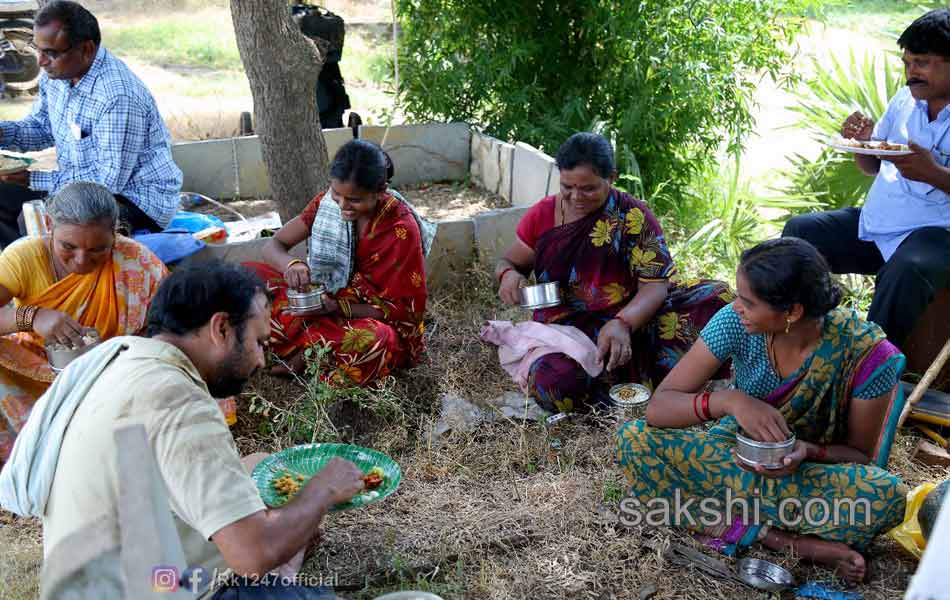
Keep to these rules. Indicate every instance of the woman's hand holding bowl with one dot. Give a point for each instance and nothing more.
(760, 420)
(297, 276)
(58, 327)
(510, 288)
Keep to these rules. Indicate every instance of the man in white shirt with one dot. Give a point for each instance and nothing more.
(902, 233)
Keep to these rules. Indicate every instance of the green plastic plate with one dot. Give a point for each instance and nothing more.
(308, 459)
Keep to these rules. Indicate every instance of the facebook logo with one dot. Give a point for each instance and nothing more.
(196, 580)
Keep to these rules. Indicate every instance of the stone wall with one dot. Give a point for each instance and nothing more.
(233, 168)
(517, 172)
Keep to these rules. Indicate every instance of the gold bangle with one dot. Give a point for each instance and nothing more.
(292, 263)
(345, 308)
(24, 317)
(30, 316)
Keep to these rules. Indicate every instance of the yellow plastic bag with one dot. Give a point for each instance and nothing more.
(908, 533)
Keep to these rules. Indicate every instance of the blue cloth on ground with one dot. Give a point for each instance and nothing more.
(171, 245)
(193, 222)
(813, 589)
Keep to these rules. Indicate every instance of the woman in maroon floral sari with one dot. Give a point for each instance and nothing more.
(609, 255)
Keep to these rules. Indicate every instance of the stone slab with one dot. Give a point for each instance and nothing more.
(506, 165)
(421, 153)
(452, 254)
(532, 174)
(495, 232)
(207, 167)
(481, 154)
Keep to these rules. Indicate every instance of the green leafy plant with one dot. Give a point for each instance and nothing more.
(308, 418)
(727, 216)
(672, 80)
(839, 88)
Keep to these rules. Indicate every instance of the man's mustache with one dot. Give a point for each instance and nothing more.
(915, 81)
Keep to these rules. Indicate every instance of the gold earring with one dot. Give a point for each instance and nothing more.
(788, 324)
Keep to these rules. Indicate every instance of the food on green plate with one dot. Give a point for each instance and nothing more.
(287, 485)
(374, 478)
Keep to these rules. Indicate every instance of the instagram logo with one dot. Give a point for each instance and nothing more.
(164, 579)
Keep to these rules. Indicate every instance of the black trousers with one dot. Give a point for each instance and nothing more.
(12, 198)
(905, 285)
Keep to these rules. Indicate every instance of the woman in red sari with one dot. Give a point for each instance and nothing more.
(372, 314)
(620, 288)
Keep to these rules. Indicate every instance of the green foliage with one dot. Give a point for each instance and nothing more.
(178, 40)
(723, 215)
(308, 418)
(838, 89)
(672, 81)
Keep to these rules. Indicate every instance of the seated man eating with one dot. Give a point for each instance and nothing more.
(103, 122)
(902, 233)
(208, 326)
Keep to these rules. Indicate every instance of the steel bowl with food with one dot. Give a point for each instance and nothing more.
(762, 454)
(60, 355)
(764, 575)
(307, 301)
(543, 295)
(629, 394)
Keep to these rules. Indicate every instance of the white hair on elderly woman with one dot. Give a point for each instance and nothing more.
(83, 203)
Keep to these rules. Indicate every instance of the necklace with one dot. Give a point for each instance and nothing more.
(772, 356)
(52, 261)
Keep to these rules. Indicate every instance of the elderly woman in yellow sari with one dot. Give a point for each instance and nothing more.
(81, 275)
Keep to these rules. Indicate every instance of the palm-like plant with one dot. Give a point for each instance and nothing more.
(824, 102)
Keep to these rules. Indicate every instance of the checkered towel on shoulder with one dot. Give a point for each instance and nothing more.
(332, 251)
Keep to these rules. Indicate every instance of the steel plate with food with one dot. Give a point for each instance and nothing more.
(870, 147)
(629, 394)
(60, 355)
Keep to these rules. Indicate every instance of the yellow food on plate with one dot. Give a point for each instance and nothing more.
(287, 485)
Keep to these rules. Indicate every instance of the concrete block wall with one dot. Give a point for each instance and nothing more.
(420, 153)
(234, 168)
(438, 152)
(517, 172)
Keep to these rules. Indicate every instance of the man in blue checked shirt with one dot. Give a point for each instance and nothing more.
(902, 233)
(101, 118)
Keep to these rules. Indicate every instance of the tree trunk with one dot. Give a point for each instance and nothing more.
(282, 66)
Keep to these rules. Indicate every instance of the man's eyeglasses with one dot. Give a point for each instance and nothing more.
(50, 54)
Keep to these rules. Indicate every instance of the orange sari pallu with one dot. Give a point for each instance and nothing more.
(113, 300)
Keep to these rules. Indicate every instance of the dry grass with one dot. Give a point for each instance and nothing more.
(21, 556)
(500, 513)
(497, 513)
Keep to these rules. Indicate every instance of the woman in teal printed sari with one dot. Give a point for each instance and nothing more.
(803, 365)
